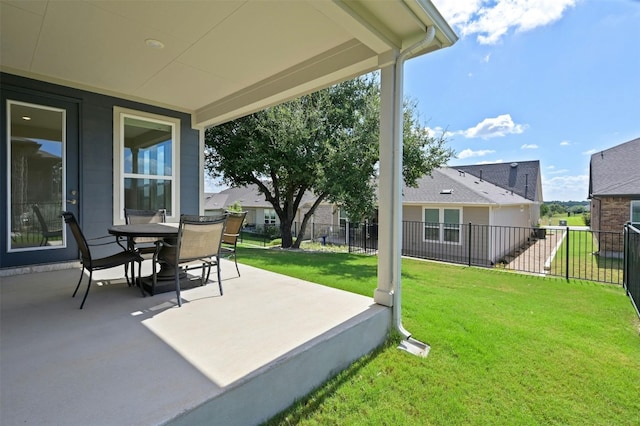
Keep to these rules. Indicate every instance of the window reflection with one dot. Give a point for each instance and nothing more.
(36, 178)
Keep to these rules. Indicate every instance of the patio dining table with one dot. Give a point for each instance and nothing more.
(166, 275)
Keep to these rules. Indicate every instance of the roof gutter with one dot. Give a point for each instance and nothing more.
(408, 344)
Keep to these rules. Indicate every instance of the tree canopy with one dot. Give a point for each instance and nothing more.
(325, 143)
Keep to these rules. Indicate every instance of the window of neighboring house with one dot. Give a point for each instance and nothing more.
(342, 217)
(432, 224)
(635, 211)
(442, 225)
(146, 156)
(269, 217)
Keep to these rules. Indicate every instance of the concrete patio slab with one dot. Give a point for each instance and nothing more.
(124, 359)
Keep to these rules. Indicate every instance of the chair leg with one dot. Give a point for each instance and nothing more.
(79, 281)
(178, 285)
(126, 273)
(154, 277)
(86, 293)
(235, 257)
(139, 281)
(219, 279)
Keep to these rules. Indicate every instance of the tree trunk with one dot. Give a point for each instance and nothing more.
(285, 231)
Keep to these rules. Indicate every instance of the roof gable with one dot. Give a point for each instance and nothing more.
(616, 171)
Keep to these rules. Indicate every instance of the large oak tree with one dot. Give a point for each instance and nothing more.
(325, 143)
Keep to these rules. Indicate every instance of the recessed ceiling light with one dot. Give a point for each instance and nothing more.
(154, 44)
(26, 117)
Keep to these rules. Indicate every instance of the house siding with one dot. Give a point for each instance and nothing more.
(96, 152)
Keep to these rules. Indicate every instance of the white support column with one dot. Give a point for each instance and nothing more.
(390, 188)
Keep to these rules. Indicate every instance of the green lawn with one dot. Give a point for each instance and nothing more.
(505, 349)
(573, 220)
(583, 263)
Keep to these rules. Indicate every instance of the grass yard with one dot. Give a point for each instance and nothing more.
(505, 348)
(583, 263)
(573, 220)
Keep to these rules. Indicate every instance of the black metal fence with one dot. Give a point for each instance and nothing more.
(27, 228)
(558, 251)
(632, 264)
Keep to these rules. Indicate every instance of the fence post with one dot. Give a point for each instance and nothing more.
(625, 258)
(567, 255)
(469, 244)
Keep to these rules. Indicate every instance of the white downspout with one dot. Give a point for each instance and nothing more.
(397, 192)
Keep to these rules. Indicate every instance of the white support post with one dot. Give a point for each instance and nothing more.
(390, 188)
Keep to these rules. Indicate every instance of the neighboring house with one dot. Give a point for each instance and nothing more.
(441, 204)
(437, 210)
(118, 95)
(614, 191)
(260, 212)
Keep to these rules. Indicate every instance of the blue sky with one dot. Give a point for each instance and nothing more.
(548, 80)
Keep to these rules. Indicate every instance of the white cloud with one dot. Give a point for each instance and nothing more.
(467, 153)
(529, 146)
(565, 143)
(499, 126)
(590, 152)
(558, 172)
(565, 188)
(490, 20)
(437, 131)
(490, 162)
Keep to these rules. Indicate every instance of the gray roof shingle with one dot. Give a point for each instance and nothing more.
(448, 185)
(520, 177)
(616, 171)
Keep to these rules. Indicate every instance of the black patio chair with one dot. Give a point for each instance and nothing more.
(231, 235)
(88, 262)
(199, 239)
(44, 227)
(147, 247)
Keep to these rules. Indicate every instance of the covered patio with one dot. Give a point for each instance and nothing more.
(236, 359)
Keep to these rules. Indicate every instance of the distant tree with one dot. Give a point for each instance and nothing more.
(325, 143)
(544, 210)
(556, 208)
(235, 207)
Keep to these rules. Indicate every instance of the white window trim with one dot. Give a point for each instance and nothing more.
(119, 114)
(441, 225)
(267, 212)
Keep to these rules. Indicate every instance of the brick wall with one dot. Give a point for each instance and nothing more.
(614, 212)
(608, 215)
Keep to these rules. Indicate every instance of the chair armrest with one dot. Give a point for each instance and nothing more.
(90, 241)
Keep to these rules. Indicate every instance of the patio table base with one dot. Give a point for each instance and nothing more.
(166, 283)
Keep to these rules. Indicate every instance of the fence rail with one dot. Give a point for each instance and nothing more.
(632, 264)
(558, 251)
(577, 253)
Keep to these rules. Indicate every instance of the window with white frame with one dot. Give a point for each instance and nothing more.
(269, 217)
(146, 156)
(343, 217)
(442, 225)
(635, 211)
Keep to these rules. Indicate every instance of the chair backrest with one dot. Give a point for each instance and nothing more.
(199, 237)
(234, 225)
(43, 223)
(71, 221)
(133, 216)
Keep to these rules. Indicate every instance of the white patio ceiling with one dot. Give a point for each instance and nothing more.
(221, 59)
